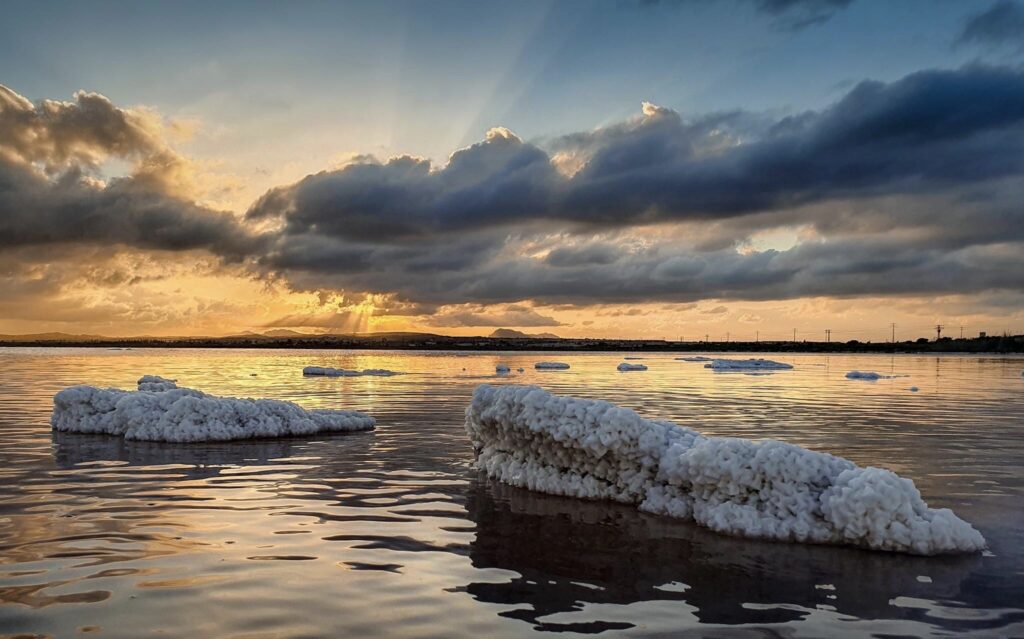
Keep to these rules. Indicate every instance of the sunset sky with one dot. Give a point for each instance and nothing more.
(629, 168)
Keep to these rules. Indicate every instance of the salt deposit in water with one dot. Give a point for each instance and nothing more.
(869, 376)
(324, 371)
(527, 437)
(500, 369)
(747, 364)
(698, 358)
(160, 411)
(631, 367)
(551, 366)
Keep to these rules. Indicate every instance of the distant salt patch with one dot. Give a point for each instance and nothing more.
(631, 367)
(747, 365)
(698, 358)
(634, 358)
(527, 437)
(914, 389)
(551, 366)
(500, 369)
(519, 370)
(323, 371)
(160, 411)
(870, 376)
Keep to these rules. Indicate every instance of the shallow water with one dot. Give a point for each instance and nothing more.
(390, 533)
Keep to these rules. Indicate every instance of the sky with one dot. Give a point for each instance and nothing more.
(626, 168)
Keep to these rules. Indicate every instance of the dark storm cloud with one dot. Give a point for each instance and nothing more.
(930, 131)
(905, 188)
(1000, 24)
(37, 210)
(47, 196)
(911, 187)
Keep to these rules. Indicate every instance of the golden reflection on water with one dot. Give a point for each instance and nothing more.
(390, 532)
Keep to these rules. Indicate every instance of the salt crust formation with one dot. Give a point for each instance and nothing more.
(527, 437)
(160, 411)
(631, 367)
(324, 371)
(870, 376)
(747, 365)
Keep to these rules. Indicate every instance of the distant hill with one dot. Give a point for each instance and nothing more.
(284, 332)
(509, 333)
(52, 337)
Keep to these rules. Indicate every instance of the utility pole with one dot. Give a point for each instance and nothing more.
(757, 336)
(727, 337)
(828, 335)
(794, 336)
(706, 341)
(961, 332)
(893, 332)
(938, 331)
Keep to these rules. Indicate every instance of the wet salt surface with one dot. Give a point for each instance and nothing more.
(390, 533)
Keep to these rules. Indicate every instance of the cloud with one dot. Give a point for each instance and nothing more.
(513, 315)
(798, 14)
(1000, 24)
(931, 130)
(911, 187)
(788, 14)
(49, 192)
(83, 132)
(902, 187)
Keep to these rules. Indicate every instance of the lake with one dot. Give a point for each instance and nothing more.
(391, 533)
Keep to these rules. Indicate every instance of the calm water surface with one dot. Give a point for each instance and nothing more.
(390, 533)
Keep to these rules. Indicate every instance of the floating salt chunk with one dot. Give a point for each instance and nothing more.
(519, 370)
(160, 411)
(747, 364)
(698, 358)
(501, 369)
(323, 371)
(631, 367)
(527, 437)
(552, 366)
(868, 375)
(914, 389)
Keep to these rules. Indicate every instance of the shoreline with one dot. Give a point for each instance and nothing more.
(987, 345)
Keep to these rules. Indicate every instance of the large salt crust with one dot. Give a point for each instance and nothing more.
(160, 411)
(527, 437)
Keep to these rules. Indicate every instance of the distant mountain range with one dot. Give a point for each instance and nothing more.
(52, 337)
(509, 333)
(277, 333)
